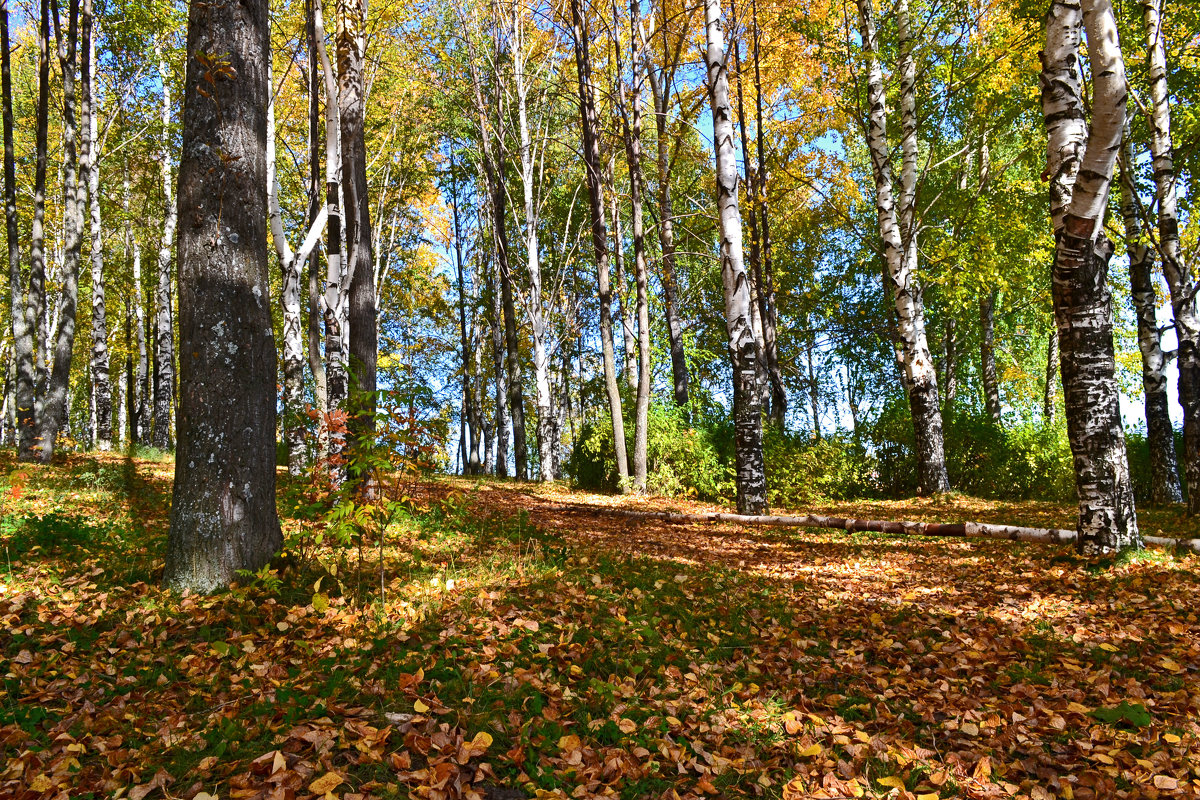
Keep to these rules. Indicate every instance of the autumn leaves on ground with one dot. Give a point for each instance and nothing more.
(518, 642)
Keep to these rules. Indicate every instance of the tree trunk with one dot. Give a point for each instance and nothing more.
(164, 334)
(666, 239)
(590, 132)
(1049, 406)
(30, 376)
(631, 116)
(223, 515)
(1080, 163)
(337, 285)
(751, 474)
(814, 389)
(316, 315)
(54, 407)
(765, 280)
(289, 267)
(919, 377)
(950, 366)
(629, 349)
(364, 338)
(987, 355)
(537, 306)
(468, 427)
(20, 310)
(1181, 280)
(101, 383)
(1160, 432)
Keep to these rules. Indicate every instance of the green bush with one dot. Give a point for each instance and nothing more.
(802, 470)
(682, 460)
(1138, 448)
(1031, 461)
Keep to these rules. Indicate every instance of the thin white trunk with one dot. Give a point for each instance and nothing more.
(751, 474)
(102, 399)
(898, 231)
(164, 334)
(1181, 280)
(337, 283)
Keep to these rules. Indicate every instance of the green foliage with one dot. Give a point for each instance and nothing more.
(683, 460)
(802, 470)
(1029, 461)
(1133, 715)
(55, 532)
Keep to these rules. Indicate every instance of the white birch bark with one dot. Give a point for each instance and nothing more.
(1183, 284)
(1160, 432)
(290, 265)
(898, 230)
(101, 382)
(55, 405)
(529, 187)
(751, 474)
(337, 283)
(164, 333)
(1080, 163)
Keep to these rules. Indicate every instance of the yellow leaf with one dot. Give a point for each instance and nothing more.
(627, 725)
(1170, 664)
(1171, 738)
(569, 742)
(673, 722)
(40, 784)
(482, 741)
(928, 796)
(810, 751)
(1110, 648)
(892, 781)
(420, 707)
(326, 783)
(1078, 708)
(206, 796)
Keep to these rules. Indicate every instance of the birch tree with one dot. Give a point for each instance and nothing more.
(101, 384)
(54, 406)
(223, 516)
(1160, 432)
(590, 136)
(19, 316)
(751, 473)
(363, 339)
(631, 126)
(898, 231)
(164, 333)
(1185, 289)
(290, 265)
(1079, 164)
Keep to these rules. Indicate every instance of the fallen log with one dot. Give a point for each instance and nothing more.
(980, 530)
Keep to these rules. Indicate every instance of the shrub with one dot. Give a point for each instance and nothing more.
(802, 470)
(682, 460)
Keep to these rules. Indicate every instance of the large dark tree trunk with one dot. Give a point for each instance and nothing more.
(223, 515)
(1080, 158)
(590, 134)
(364, 339)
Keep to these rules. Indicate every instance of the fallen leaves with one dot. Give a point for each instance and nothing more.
(650, 660)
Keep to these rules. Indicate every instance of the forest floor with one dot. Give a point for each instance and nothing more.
(525, 644)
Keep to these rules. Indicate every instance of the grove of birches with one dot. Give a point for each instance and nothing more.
(748, 252)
